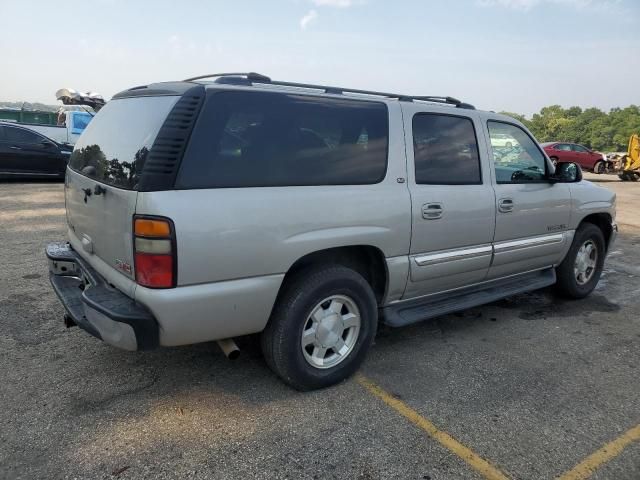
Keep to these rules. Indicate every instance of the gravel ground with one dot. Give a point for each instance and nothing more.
(530, 383)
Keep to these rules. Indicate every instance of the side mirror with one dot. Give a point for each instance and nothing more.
(568, 172)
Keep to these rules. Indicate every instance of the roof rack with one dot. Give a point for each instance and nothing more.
(253, 77)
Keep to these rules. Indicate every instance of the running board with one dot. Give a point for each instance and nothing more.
(412, 311)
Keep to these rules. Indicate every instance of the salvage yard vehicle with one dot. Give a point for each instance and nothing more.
(572, 152)
(309, 214)
(25, 153)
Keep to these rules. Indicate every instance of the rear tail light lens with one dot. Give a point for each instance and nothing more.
(154, 252)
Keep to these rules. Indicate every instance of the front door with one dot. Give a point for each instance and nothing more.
(32, 153)
(453, 209)
(532, 213)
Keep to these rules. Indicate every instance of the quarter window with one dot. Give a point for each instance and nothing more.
(445, 150)
(260, 139)
(523, 162)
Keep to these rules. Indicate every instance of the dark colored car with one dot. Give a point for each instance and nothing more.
(25, 153)
(560, 152)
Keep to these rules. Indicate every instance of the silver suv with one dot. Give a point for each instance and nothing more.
(206, 210)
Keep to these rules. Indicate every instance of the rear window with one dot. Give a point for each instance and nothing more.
(260, 139)
(115, 144)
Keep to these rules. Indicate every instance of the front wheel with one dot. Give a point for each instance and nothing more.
(579, 272)
(599, 167)
(321, 327)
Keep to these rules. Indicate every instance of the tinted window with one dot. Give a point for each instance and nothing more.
(256, 139)
(445, 150)
(565, 147)
(580, 148)
(115, 144)
(20, 135)
(522, 163)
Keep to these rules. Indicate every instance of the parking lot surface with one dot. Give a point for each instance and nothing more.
(532, 386)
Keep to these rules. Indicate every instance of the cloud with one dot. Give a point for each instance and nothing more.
(336, 3)
(529, 4)
(308, 18)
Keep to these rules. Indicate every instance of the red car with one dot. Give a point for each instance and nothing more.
(571, 152)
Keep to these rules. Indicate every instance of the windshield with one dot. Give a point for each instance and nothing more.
(115, 144)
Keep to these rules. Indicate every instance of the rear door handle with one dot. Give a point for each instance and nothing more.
(505, 205)
(432, 211)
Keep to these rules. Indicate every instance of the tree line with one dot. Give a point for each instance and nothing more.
(593, 128)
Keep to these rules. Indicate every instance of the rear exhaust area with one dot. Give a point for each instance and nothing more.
(229, 348)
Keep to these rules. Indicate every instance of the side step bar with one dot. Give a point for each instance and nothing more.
(412, 311)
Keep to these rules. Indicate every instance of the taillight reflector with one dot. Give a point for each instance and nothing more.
(154, 271)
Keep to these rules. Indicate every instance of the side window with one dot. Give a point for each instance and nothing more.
(2, 134)
(579, 149)
(521, 163)
(565, 147)
(261, 139)
(445, 150)
(20, 135)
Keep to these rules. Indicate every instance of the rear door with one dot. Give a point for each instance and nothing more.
(101, 186)
(562, 150)
(532, 214)
(453, 209)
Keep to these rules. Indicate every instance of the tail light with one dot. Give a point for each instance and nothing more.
(154, 248)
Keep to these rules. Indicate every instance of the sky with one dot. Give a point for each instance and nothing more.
(501, 55)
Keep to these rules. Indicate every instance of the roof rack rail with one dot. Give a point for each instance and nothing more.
(258, 78)
(252, 76)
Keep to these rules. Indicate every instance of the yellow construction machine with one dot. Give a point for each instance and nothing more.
(629, 167)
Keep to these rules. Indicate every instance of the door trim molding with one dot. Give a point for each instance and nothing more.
(453, 255)
(537, 241)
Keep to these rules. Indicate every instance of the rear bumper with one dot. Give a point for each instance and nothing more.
(97, 307)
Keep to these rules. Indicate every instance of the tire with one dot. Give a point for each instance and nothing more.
(574, 279)
(320, 290)
(599, 167)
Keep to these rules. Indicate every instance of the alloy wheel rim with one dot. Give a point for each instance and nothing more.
(585, 264)
(330, 331)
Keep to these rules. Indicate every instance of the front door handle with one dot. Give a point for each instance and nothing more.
(432, 211)
(505, 205)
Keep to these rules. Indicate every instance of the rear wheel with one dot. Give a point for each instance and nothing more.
(579, 272)
(321, 328)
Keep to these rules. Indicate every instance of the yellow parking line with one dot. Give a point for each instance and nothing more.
(609, 451)
(471, 458)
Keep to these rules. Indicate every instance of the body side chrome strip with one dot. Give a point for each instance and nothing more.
(528, 242)
(460, 254)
